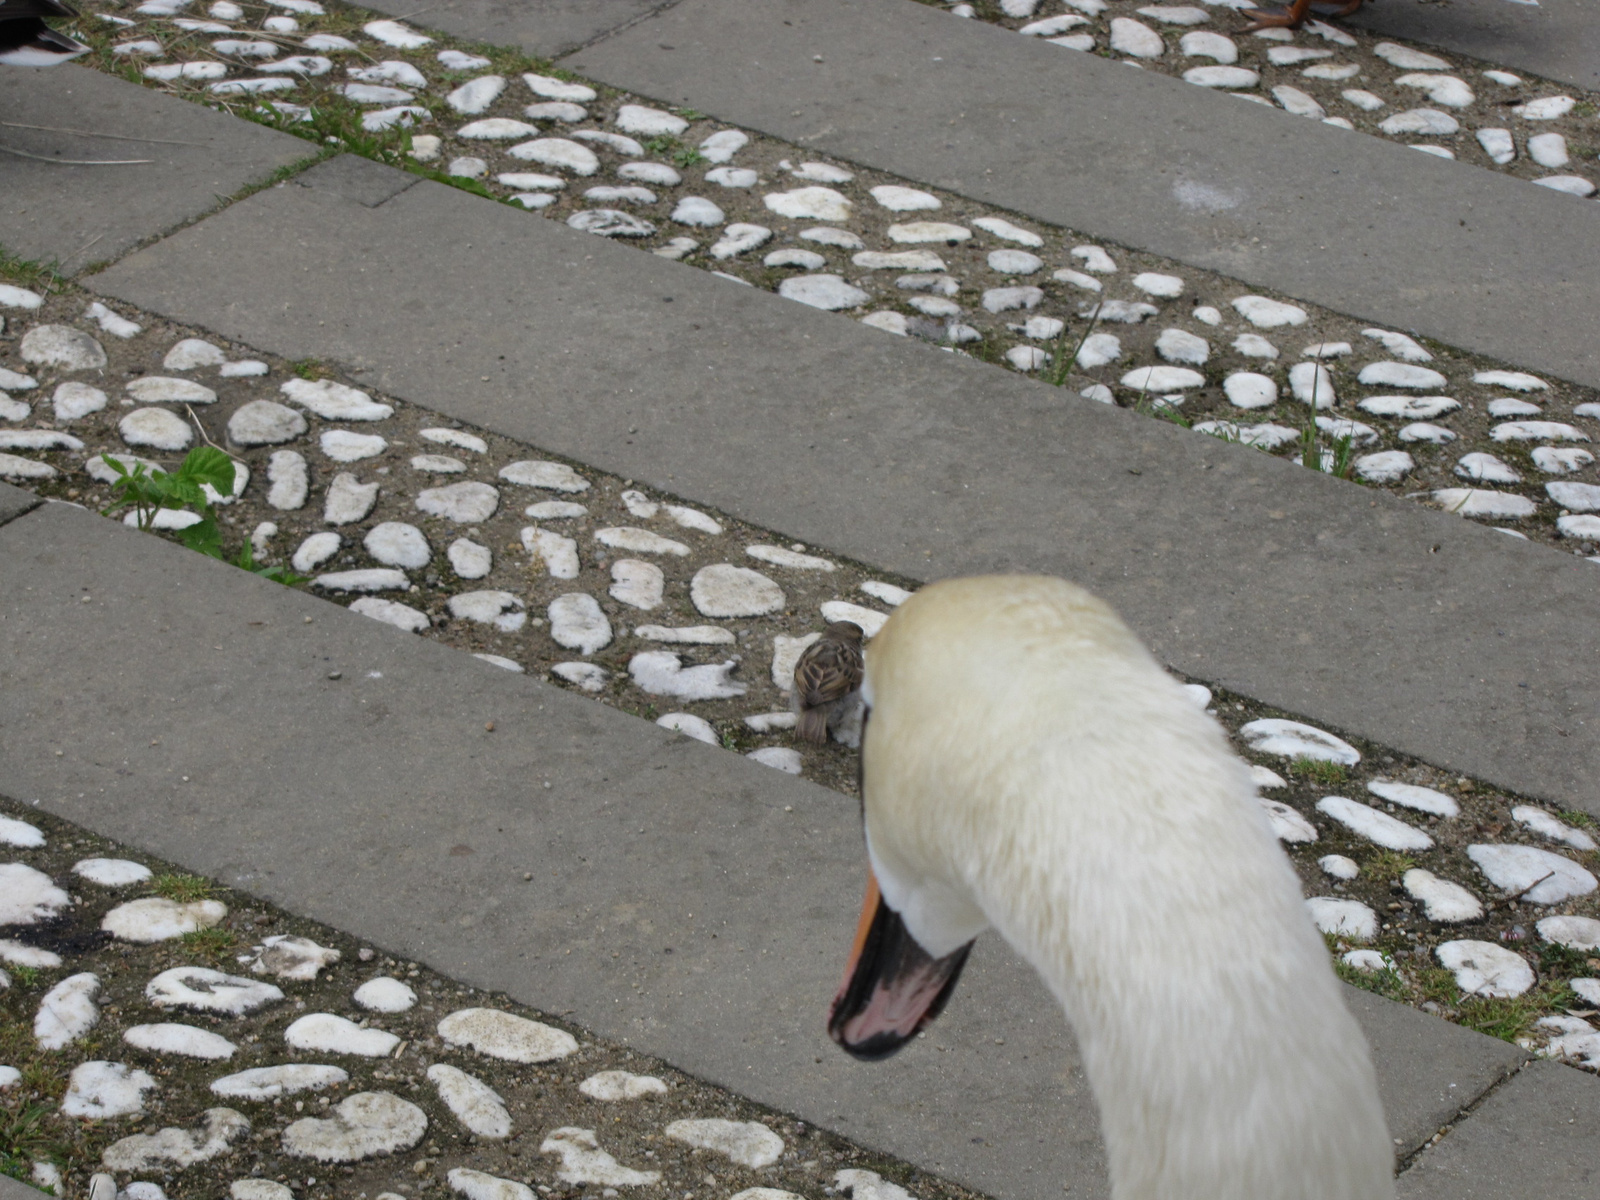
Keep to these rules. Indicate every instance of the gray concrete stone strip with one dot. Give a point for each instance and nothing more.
(15, 1189)
(1427, 1080)
(683, 899)
(1406, 626)
(1558, 39)
(545, 28)
(76, 215)
(15, 501)
(1539, 1135)
(1357, 224)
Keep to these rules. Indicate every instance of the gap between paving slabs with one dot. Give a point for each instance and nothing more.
(550, 1097)
(540, 565)
(1090, 324)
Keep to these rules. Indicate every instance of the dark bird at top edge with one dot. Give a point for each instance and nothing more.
(25, 39)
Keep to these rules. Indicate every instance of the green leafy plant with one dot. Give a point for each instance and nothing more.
(147, 492)
(688, 156)
(25, 976)
(1389, 864)
(663, 145)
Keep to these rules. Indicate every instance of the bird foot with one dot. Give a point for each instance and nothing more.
(1294, 15)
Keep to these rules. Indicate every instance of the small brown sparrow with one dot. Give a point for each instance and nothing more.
(827, 680)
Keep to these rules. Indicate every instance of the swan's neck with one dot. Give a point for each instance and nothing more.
(1223, 1060)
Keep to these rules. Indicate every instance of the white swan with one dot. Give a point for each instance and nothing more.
(26, 41)
(1028, 766)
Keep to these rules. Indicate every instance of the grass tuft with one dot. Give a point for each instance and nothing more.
(1388, 864)
(1317, 770)
(213, 945)
(182, 888)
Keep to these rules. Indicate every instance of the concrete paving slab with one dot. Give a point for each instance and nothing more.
(15, 1189)
(1411, 627)
(1539, 1135)
(55, 210)
(15, 501)
(683, 899)
(1359, 224)
(1559, 39)
(545, 28)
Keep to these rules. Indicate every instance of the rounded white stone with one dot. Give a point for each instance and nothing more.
(738, 238)
(476, 1105)
(748, 1143)
(1181, 346)
(699, 635)
(289, 957)
(1246, 389)
(1287, 824)
(99, 1090)
(268, 1083)
(640, 541)
(476, 95)
(780, 758)
(110, 872)
(1222, 77)
(612, 1086)
(25, 836)
(1162, 379)
(331, 1034)
(690, 725)
(73, 400)
(62, 346)
(396, 544)
(264, 423)
(1441, 900)
(385, 994)
(558, 89)
(721, 146)
(1292, 739)
(1344, 918)
(1481, 502)
(1486, 468)
(468, 559)
(254, 1189)
(582, 1161)
(67, 1011)
(577, 622)
(171, 1148)
(205, 990)
(1485, 969)
(469, 503)
(504, 611)
(810, 203)
(698, 211)
(1204, 44)
(828, 292)
(1015, 262)
(155, 427)
(1408, 59)
(1386, 466)
(18, 955)
(1538, 876)
(1311, 383)
(662, 673)
(341, 445)
(506, 1036)
(335, 401)
(870, 620)
(371, 579)
(558, 554)
(1001, 228)
(1266, 313)
(1578, 933)
(314, 551)
(187, 1040)
(1408, 406)
(1542, 823)
(392, 612)
(1338, 866)
(154, 919)
(158, 389)
(724, 590)
(1367, 961)
(1546, 108)
(651, 122)
(363, 1126)
(1135, 39)
(637, 583)
(438, 464)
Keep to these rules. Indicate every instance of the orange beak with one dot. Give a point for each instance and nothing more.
(892, 987)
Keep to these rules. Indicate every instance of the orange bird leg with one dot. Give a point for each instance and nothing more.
(1285, 18)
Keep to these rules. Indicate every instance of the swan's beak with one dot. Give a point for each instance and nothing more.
(892, 987)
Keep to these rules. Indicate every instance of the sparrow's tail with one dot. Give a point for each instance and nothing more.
(813, 725)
